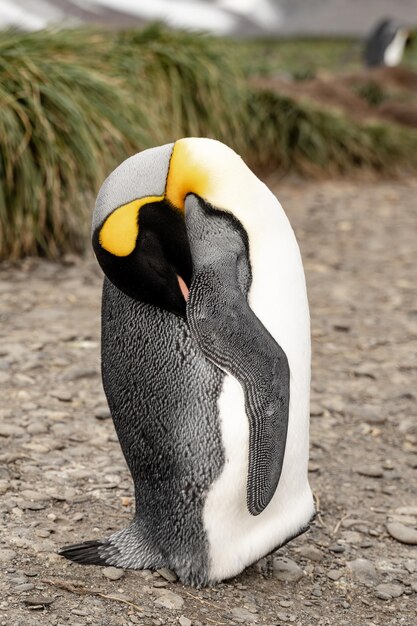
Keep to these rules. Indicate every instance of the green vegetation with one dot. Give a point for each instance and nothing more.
(306, 56)
(75, 103)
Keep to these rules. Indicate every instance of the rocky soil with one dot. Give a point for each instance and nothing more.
(63, 478)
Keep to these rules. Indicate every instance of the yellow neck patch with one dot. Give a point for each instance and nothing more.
(120, 230)
(186, 175)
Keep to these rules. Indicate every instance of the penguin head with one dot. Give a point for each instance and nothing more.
(139, 223)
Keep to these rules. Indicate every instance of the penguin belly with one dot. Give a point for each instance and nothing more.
(163, 396)
(237, 538)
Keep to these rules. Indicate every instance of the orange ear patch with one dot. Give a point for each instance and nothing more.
(120, 231)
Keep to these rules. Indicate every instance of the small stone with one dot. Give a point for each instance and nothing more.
(261, 566)
(25, 587)
(403, 534)
(43, 533)
(316, 410)
(112, 573)
(243, 615)
(372, 471)
(286, 570)
(335, 574)
(311, 553)
(168, 574)
(286, 603)
(406, 510)
(412, 461)
(351, 537)
(169, 600)
(102, 413)
(62, 394)
(37, 429)
(336, 548)
(36, 496)
(363, 570)
(159, 584)
(80, 612)
(317, 592)
(38, 601)
(386, 591)
(10, 430)
(6, 554)
(184, 621)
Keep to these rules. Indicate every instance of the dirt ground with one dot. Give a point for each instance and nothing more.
(63, 478)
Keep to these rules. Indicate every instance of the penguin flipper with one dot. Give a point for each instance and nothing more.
(231, 336)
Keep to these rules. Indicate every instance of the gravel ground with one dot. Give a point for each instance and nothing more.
(63, 478)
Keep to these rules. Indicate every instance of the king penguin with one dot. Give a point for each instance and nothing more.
(205, 362)
(385, 44)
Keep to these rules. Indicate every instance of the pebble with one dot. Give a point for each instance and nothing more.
(311, 553)
(38, 601)
(62, 394)
(102, 413)
(403, 534)
(363, 570)
(6, 554)
(406, 510)
(184, 621)
(80, 612)
(386, 591)
(337, 548)
(112, 573)
(37, 496)
(412, 461)
(169, 600)
(372, 471)
(316, 410)
(25, 587)
(10, 430)
(352, 536)
(335, 574)
(243, 615)
(168, 574)
(286, 570)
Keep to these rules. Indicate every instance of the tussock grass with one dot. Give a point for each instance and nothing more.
(60, 132)
(293, 135)
(75, 103)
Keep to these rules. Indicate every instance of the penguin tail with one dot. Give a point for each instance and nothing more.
(91, 552)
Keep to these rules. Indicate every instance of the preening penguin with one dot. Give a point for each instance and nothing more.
(205, 362)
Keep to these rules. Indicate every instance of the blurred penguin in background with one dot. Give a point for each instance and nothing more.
(385, 44)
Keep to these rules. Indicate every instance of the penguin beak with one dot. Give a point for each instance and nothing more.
(183, 287)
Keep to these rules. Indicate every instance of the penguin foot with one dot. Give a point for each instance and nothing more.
(89, 552)
(125, 548)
